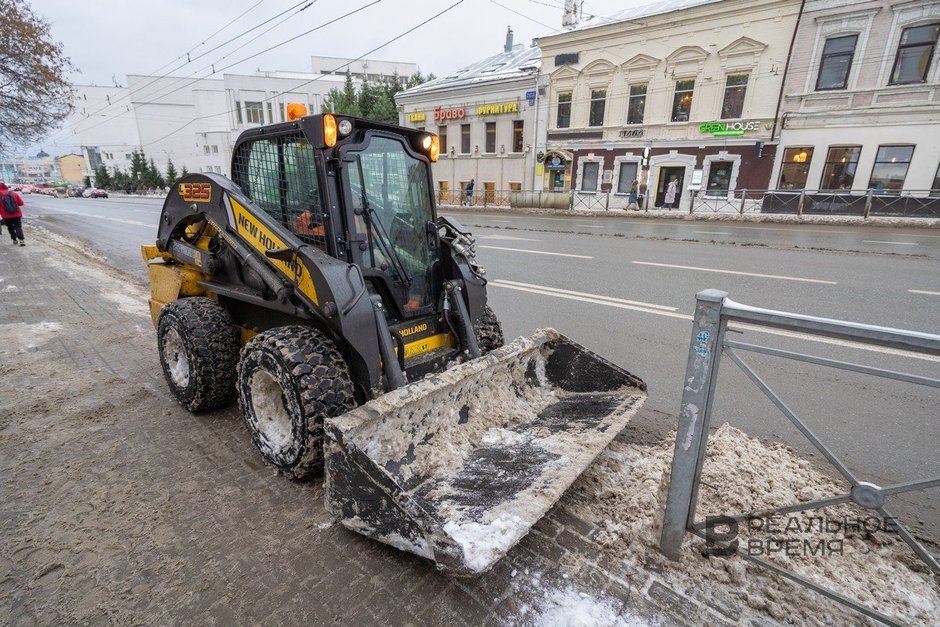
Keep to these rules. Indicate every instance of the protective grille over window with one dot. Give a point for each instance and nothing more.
(279, 175)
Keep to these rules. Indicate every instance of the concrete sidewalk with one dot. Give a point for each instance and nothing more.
(119, 507)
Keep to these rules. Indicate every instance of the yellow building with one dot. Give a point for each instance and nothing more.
(71, 168)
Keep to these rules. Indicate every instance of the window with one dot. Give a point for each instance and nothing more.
(215, 149)
(283, 110)
(442, 134)
(238, 112)
(598, 101)
(270, 113)
(258, 176)
(490, 144)
(518, 135)
(254, 114)
(515, 187)
(564, 111)
(637, 105)
(682, 101)
(839, 172)
(719, 178)
(627, 177)
(205, 149)
(890, 169)
(589, 176)
(465, 139)
(795, 167)
(735, 89)
(914, 53)
(836, 62)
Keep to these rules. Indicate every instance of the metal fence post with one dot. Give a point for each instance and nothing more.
(868, 196)
(799, 204)
(607, 201)
(743, 198)
(700, 379)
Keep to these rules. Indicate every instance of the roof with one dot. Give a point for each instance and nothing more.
(646, 10)
(520, 62)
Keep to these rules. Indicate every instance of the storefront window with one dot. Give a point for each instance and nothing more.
(442, 134)
(563, 120)
(589, 176)
(836, 62)
(637, 105)
(598, 102)
(682, 101)
(518, 135)
(465, 139)
(795, 167)
(914, 53)
(490, 145)
(626, 177)
(890, 169)
(839, 172)
(735, 89)
(719, 177)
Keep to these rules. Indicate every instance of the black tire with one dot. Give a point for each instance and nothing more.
(489, 331)
(289, 380)
(198, 345)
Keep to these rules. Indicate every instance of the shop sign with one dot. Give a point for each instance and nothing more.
(631, 132)
(455, 113)
(494, 109)
(555, 163)
(418, 116)
(720, 129)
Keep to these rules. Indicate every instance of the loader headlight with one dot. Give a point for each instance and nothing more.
(329, 130)
(345, 127)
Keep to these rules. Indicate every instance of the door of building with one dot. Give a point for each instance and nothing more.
(666, 174)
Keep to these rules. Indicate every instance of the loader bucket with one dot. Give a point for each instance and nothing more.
(457, 467)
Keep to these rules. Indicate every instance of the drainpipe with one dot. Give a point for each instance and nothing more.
(786, 70)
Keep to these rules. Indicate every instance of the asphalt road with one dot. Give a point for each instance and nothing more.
(626, 288)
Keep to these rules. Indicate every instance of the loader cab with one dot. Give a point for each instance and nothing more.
(359, 191)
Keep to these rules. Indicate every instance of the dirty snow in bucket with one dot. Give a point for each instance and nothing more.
(483, 542)
(18, 337)
(623, 494)
(569, 608)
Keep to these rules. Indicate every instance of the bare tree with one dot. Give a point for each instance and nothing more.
(35, 95)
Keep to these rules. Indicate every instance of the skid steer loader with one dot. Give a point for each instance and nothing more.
(320, 287)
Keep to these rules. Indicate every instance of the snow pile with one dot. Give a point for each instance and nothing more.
(568, 608)
(483, 543)
(19, 337)
(624, 491)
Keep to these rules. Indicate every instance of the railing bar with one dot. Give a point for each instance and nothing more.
(789, 509)
(922, 553)
(911, 485)
(835, 363)
(832, 594)
(776, 400)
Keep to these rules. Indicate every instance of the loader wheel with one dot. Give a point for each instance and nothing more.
(489, 331)
(198, 346)
(289, 380)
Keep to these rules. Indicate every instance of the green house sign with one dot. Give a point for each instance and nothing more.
(723, 129)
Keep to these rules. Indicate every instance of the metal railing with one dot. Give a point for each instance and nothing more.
(713, 311)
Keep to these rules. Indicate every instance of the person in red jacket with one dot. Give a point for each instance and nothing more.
(10, 203)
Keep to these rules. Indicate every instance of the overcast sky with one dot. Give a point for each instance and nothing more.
(106, 38)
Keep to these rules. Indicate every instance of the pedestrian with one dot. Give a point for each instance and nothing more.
(10, 203)
(671, 193)
(641, 196)
(631, 200)
(470, 192)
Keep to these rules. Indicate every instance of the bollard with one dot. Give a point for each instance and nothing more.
(701, 377)
(743, 198)
(868, 196)
(799, 204)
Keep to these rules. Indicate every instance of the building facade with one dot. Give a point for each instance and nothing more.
(71, 168)
(685, 92)
(485, 116)
(861, 107)
(362, 69)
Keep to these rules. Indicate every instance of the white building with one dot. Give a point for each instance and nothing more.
(861, 108)
(485, 115)
(362, 69)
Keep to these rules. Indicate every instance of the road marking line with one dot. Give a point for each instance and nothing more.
(535, 252)
(503, 221)
(878, 241)
(605, 300)
(507, 283)
(763, 276)
(927, 292)
(592, 226)
(713, 232)
(508, 238)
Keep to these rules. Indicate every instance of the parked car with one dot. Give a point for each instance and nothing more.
(74, 192)
(92, 192)
(46, 191)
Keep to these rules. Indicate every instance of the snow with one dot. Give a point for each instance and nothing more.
(568, 608)
(19, 337)
(483, 542)
(9, 288)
